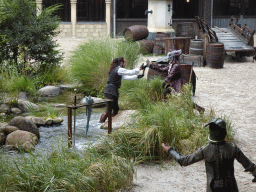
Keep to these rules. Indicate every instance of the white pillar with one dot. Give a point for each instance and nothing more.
(108, 16)
(39, 7)
(73, 17)
(160, 19)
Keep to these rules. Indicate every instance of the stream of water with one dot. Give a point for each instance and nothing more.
(57, 134)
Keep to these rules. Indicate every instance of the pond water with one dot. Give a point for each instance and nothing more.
(57, 134)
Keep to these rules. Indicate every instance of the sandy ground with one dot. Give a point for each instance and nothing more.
(230, 92)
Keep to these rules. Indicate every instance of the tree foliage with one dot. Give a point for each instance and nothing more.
(28, 38)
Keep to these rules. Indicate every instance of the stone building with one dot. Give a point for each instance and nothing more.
(96, 18)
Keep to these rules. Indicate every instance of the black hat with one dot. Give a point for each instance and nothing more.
(217, 130)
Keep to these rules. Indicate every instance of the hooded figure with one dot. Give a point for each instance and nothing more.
(219, 157)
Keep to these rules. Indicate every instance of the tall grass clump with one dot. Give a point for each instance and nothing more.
(90, 62)
(65, 170)
(174, 121)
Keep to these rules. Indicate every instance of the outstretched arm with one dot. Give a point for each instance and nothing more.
(184, 160)
(247, 164)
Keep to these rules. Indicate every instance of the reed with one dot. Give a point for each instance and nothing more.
(65, 170)
(90, 62)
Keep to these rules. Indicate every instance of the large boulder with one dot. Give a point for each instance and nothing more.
(23, 139)
(50, 91)
(57, 121)
(26, 106)
(37, 120)
(25, 124)
(9, 129)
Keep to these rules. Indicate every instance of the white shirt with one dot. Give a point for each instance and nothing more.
(128, 74)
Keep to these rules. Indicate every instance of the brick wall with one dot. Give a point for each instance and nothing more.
(83, 30)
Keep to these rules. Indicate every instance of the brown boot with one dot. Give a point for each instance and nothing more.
(103, 117)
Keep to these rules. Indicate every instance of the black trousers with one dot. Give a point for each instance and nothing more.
(115, 106)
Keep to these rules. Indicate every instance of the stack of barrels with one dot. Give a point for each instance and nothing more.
(139, 33)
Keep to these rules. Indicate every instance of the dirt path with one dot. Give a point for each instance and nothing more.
(230, 92)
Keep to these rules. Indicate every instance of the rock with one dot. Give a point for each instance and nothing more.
(57, 120)
(2, 114)
(2, 139)
(23, 96)
(4, 108)
(50, 91)
(123, 118)
(60, 105)
(2, 125)
(9, 129)
(25, 124)
(16, 110)
(24, 139)
(26, 106)
(37, 120)
(48, 121)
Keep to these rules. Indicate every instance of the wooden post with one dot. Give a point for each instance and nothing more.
(69, 127)
(109, 106)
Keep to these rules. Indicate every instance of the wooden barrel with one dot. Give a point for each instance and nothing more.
(136, 32)
(215, 55)
(185, 29)
(146, 46)
(196, 47)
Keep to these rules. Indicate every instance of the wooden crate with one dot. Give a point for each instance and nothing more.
(176, 43)
(189, 58)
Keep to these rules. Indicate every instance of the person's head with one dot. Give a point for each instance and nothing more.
(174, 55)
(217, 130)
(120, 61)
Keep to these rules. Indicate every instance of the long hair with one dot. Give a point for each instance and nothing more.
(115, 63)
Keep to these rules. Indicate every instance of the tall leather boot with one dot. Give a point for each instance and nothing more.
(103, 117)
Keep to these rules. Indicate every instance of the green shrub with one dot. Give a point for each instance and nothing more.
(90, 62)
(28, 37)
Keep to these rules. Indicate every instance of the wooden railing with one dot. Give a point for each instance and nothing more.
(245, 33)
(206, 30)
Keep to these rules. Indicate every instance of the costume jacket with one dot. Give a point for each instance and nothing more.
(219, 163)
(115, 77)
(175, 76)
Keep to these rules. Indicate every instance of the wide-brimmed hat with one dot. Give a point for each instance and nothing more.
(217, 130)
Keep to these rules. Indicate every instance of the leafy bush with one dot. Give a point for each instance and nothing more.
(90, 62)
(28, 37)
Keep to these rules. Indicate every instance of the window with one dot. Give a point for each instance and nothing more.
(91, 10)
(131, 8)
(64, 11)
(234, 7)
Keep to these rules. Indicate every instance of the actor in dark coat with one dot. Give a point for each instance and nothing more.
(117, 72)
(219, 157)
